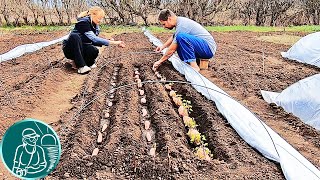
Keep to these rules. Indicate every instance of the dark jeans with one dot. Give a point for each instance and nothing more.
(82, 54)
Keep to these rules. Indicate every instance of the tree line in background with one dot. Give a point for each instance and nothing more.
(132, 12)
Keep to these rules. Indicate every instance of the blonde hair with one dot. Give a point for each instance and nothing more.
(93, 11)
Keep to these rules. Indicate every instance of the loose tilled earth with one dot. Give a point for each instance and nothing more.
(39, 85)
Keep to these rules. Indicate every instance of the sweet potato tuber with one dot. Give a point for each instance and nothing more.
(99, 140)
(183, 111)
(195, 136)
(189, 122)
(203, 153)
(146, 125)
(172, 93)
(95, 152)
(177, 100)
(143, 100)
(141, 92)
(144, 112)
(148, 136)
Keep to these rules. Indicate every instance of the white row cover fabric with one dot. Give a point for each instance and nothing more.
(248, 126)
(301, 99)
(306, 50)
(28, 48)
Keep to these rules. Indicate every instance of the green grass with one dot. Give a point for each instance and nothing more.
(263, 28)
(8, 29)
(157, 29)
(280, 39)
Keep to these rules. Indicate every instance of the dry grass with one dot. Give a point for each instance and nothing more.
(280, 39)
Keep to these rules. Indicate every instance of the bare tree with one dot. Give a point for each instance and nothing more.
(67, 5)
(202, 11)
(278, 8)
(312, 9)
(6, 10)
(34, 8)
(58, 7)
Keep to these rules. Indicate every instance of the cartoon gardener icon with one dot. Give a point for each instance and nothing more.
(29, 157)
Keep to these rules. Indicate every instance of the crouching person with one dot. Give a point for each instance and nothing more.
(190, 40)
(82, 41)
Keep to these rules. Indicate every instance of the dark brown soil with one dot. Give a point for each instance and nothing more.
(123, 153)
(9, 41)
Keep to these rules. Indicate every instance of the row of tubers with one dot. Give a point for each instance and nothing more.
(184, 109)
(144, 111)
(106, 112)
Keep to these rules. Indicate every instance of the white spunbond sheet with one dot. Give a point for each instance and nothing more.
(28, 48)
(248, 126)
(301, 99)
(306, 50)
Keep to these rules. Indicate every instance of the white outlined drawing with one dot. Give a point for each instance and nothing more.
(50, 143)
(29, 157)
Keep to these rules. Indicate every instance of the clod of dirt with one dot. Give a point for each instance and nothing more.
(136, 73)
(137, 77)
(95, 152)
(158, 74)
(139, 84)
(106, 115)
(146, 125)
(66, 175)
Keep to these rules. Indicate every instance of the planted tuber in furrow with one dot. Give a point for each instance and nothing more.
(99, 138)
(146, 125)
(144, 112)
(95, 152)
(148, 136)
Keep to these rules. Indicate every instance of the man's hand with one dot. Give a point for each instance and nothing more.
(156, 65)
(122, 44)
(159, 49)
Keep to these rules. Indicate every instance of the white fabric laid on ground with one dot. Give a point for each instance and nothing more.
(306, 50)
(248, 126)
(28, 48)
(301, 99)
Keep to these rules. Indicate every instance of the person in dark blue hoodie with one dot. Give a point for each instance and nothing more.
(82, 41)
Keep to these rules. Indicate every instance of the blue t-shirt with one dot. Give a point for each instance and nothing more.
(186, 25)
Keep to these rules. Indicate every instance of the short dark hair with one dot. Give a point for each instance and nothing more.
(164, 14)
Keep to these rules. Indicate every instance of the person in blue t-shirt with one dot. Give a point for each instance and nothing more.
(82, 41)
(191, 40)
